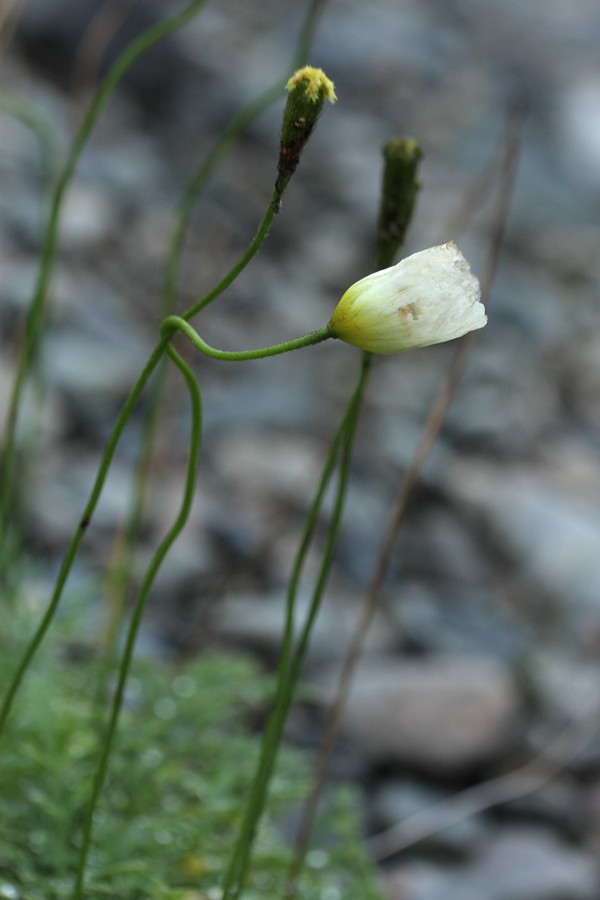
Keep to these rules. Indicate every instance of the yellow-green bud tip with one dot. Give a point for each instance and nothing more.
(427, 298)
(315, 82)
(307, 90)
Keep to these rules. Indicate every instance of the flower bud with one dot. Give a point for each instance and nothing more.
(398, 197)
(427, 298)
(308, 89)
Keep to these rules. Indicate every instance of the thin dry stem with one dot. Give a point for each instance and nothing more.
(9, 17)
(557, 754)
(99, 32)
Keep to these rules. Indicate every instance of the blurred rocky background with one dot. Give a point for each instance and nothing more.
(485, 648)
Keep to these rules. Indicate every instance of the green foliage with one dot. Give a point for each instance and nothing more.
(160, 788)
(176, 787)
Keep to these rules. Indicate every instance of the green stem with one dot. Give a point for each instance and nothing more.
(190, 197)
(11, 540)
(168, 328)
(351, 416)
(350, 423)
(36, 311)
(398, 196)
(169, 292)
(290, 664)
(168, 301)
(270, 743)
(138, 611)
(32, 331)
(177, 323)
(227, 140)
(69, 557)
(255, 245)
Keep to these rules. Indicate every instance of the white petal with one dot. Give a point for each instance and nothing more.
(427, 298)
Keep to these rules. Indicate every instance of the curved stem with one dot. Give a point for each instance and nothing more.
(169, 291)
(138, 611)
(177, 323)
(37, 308)
(169, 326)
(69, 557)
(190, 197)
(214, 159)
(254, 246)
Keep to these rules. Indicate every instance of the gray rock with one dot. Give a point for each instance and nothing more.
(532, 864)
(90, 378)
(567, 686)
(505, 400)
(61, 487)
(257, 620)
(261, 461)
(421, 880)
(397, 800)
(89, 216)
(559, 804)
(579, 373)
(518, 864)
(441, 715)
(593, 813)
(456, 619)
(578, 128)
(553, 533)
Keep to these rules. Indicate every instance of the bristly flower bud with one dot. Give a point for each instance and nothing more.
(427, 298)
(308, 89)
(398, 196)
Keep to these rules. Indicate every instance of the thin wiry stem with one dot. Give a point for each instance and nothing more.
(221, 149)
(138, 611)
(170, 325)
(77, 537)
(177, 323)
(400, 193)
(430, 432)
(33, 325)
(291, 659)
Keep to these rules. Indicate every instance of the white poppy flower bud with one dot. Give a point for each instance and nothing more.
(427, 298)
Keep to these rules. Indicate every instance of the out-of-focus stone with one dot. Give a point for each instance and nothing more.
(397, 800)
(441, 715)
(554, 535)
(517, 864)
(258, 621)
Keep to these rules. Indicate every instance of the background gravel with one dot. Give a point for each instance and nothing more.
(486, 642)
